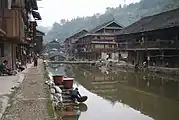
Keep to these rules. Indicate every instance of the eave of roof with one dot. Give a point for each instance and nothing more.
(104, 25)
(34, 5)
(36, 15)
(54, 41)
(42, 33)
(78, 33)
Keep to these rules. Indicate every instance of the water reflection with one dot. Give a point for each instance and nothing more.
(118, 94)
(121, 95)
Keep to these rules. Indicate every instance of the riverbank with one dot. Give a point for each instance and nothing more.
(31, 100)
(123, 65)
(151, 69)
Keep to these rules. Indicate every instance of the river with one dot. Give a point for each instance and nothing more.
(121, 95)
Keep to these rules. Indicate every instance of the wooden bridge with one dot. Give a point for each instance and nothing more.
(57, 54)
(72, 62)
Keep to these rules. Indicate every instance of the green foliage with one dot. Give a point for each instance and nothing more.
(125, 16)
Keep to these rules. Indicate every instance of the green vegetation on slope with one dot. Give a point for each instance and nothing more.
(125, 16)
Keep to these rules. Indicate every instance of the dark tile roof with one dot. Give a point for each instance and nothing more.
(36, 15)
(163, 20)
(40, 32)
(54, 41)
(78, 33)
(103, 25)
(34, 4)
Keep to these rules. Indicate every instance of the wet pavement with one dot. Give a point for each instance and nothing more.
(117, 94)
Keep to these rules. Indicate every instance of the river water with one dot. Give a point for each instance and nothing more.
(121, 95)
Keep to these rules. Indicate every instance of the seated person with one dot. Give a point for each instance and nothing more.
(4, 69)
(19, 66)
(75, 94)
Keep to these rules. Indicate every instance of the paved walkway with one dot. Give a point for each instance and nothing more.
(30, 101)
(7, 85)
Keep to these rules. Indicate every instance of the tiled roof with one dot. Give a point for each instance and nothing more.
(159, 21)
(40, 32)
(103, 25)
(78, 33)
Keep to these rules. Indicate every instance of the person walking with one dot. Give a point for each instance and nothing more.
(35, 61)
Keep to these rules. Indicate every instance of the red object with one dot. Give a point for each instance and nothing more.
(58, 79)
(68, 83)
(69, 108)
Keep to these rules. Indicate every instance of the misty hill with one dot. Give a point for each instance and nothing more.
(125, 15)
(44, 29)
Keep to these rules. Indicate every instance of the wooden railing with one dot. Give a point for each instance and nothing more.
(151, 44)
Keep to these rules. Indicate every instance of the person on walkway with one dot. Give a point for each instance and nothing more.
(35, 61)
(4, 69)
(136, 67)
(75, 94)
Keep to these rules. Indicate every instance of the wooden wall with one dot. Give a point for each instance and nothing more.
(13, 23)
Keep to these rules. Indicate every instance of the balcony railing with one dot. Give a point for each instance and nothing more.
(149, 45)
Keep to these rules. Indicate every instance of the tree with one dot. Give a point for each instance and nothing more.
(62, 21)
(125, 15)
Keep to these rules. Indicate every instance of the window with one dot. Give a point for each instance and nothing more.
(99, 46)
(98, 37)
(110, 46)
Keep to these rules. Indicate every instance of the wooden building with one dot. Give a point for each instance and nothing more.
(53, 44)
(70, 42)
(153, 39)
(39, 41)
(100, 42)
(14, 22)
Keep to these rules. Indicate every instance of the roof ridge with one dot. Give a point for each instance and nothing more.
(77, 32)
(104, 24)
(167, 11)
(159, 21)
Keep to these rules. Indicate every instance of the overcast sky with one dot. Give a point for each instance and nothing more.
(54, 10)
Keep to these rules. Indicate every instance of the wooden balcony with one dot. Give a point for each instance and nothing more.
(151, 45)
(104, 40)
(12, 24)
(102, 49)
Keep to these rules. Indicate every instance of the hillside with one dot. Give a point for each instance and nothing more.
(44, 29)
(125, 16)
